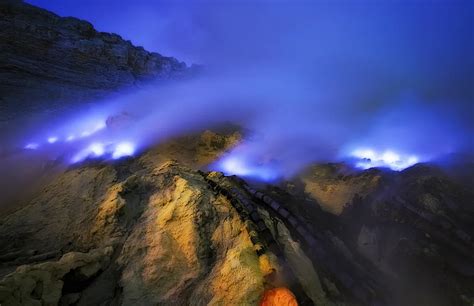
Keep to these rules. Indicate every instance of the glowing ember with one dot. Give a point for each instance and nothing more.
(389, 159)
(52, 139)
(123, 149)
(278, 297)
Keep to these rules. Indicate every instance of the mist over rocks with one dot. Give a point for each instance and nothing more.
(155, 229)
(144, 218)
(308, 104)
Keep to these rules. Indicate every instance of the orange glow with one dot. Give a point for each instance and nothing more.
(278, 297)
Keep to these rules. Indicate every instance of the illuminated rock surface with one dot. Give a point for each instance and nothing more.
(154, 230)
(174, 240)
(163, 234)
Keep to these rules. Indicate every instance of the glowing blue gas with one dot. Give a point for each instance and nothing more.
(123, 149)
(369, 158)
(32, 146)
(97, 149)
(93, 150)
(238, 165)
(52, 139)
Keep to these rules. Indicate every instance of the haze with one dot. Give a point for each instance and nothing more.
(314, 80)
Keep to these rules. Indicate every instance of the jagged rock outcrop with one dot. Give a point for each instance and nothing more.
(57, 61)
(332, 189)
(149, 231)
(154, 230)
(417, 226)
(174, 240)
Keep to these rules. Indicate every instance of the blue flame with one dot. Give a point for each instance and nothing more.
(32, 146)
(52, 139)
(123, 149)
(233, 164)
(369, 158)
(108, 150)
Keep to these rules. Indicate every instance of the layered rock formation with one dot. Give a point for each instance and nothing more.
(64, 60)
(155, 230)
(145, 232)
(417, 226)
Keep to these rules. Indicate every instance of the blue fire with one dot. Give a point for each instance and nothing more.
(123, 149)
(107, 150)
(369, 158)
(31, 146)
(52, 139)
(239, 165)
(82, 138)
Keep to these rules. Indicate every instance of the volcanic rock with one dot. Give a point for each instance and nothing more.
(148, 234)
(50, 62)
(417, 226)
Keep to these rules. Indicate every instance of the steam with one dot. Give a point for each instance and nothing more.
(312, 82)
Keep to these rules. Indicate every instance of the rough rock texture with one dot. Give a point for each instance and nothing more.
(154, 230)
(49, 283)
(147, 231)
(174, 240)
(416, 226)
(55, 61)
(324, 184)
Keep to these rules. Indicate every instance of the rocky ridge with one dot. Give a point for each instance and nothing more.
(156, 230)
(64, 60)
(416, 226)
(141, 233)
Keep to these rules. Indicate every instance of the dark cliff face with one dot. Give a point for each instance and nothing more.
(416, 226)
(50, 60)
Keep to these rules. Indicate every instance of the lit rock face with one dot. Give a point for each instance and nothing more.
(173, 240)
(150, 230)
(53, 61)
(332, 190)
(153, 230)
